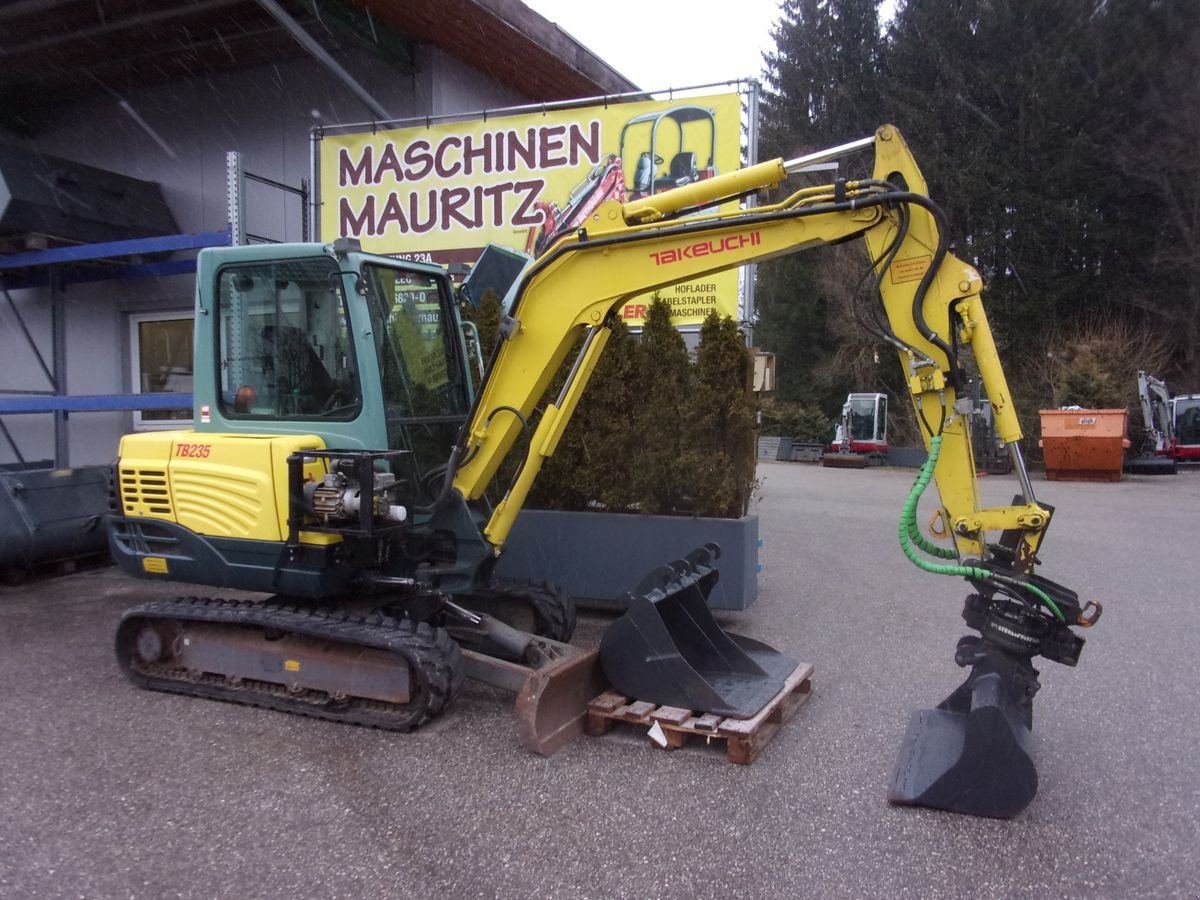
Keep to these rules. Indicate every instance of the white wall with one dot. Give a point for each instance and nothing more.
(178, 135)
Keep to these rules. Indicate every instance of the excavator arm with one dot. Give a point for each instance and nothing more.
(930, 298)
(1156, 411)
(970, 754)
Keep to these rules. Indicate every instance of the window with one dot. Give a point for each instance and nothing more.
(868, 418)
(417, 345)
(161, 345)
(285, 342)
(423, 376)
(1187, 421)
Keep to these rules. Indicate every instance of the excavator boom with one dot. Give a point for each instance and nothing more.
(931, 300)
(971, 754)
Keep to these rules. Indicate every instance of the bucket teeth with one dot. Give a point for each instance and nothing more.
(668, 649)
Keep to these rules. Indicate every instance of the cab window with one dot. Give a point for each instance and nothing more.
(285, 349)
(421, 369)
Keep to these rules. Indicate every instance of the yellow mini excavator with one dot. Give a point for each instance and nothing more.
(340, 455)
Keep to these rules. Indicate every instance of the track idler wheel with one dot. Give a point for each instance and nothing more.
(539, 608)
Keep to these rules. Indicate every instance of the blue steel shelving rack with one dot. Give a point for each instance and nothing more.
(55, 267)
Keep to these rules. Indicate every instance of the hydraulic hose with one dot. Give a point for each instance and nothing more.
(914, 532)
(910, 534)
(909, 530)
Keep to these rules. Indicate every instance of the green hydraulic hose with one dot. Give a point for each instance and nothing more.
(910, 533)
(914, 532)
(909, 527)
(1045, 598)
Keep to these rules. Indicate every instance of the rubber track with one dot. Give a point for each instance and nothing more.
(435, 661)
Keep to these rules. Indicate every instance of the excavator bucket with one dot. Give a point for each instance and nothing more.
(668, 649)
(970, 755)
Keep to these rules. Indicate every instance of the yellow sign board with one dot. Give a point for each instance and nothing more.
(441, 192)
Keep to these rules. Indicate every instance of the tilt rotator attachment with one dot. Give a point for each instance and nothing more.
(971, 754)
(668, 649)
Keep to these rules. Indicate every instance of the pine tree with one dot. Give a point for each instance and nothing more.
(1057, 135)
(821, 90)
(1154, 152)
(720, 449)
(598, 449)
(821, 81)
(1040, 127)
(992, 97)
(659, 479)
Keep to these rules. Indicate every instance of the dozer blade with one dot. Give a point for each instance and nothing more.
(667, 648)
(973, 760)
(844, 461)
(551, 706)
(552, 698)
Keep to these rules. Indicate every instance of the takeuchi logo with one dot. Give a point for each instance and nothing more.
(705, 248)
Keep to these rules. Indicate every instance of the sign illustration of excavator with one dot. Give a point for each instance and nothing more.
(633, 172)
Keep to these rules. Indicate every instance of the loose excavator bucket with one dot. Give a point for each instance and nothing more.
(970, 755)
(667, 649)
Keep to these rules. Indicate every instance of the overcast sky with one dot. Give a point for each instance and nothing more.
(659, 44)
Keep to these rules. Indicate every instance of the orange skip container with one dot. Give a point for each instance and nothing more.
(1083, 444)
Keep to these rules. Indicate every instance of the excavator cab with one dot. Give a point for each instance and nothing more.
(361, 351)
(300, 347)
(1185, 412)
(861, 436)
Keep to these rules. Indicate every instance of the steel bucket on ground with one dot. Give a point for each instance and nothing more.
(667, 648)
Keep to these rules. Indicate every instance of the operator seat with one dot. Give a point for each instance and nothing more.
(302, 383)
(643, 175)
(681, 171)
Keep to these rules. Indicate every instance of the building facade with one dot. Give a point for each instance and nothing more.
(164, 97)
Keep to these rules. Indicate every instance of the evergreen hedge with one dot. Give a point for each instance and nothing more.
(656, 431)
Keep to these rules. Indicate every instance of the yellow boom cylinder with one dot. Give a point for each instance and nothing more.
(702, 193)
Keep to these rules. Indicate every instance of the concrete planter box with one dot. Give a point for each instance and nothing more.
(598, 557)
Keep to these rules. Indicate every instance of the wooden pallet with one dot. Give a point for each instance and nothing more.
(745, 738)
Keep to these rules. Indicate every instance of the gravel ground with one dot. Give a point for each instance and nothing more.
(108, 791)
